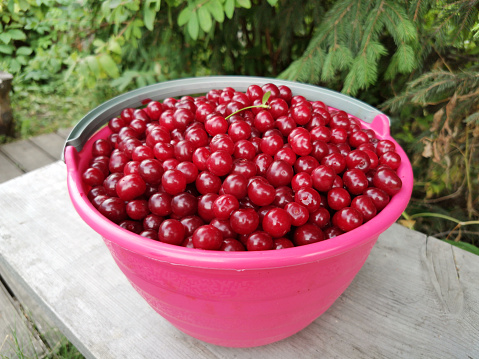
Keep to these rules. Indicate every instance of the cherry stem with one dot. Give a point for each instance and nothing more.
(263, 105)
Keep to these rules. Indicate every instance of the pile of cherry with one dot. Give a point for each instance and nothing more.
(240, 171)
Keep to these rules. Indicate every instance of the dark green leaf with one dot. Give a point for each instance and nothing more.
(216, 9)
(149, 17)
(184, 16)
(5, 37)
(463, 245)
(193, 26)
(109, 66)
(205, 19)
(272, 2)
(24, 51)
(6, 49)
(229, 8)
(17, 34)
(244, 3)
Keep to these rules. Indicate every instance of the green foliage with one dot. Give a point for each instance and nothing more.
(348, 45)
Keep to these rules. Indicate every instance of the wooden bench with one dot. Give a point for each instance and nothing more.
(415, 297)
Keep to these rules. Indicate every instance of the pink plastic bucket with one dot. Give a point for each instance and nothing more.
(235, 299)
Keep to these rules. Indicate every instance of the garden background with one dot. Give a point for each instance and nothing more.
(416, 60)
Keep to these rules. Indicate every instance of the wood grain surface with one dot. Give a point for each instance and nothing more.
(415, 297)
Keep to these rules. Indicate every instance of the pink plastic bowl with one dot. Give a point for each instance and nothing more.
(236, 299)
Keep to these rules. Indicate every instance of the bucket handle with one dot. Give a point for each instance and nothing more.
(98, 117)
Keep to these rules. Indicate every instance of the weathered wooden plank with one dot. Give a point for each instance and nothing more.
(15, 336)
(26, 155)
(8, 169)
(43, 324)
(414, 297)
(51, 143)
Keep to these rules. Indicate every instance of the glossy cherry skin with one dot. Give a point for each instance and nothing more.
(205, 206)
(365, 205)
(151, 170)
(171, 231)
(384, 146)
(225, 227)
(130, 187)
(199, 158)
(219, 163)
(191, 223)
(173, 182)
(336, 161)
(305, 164)
(301, 180)
(235, 184)
(301, 114)
(378, 196)
(261, 193)
(184, 204)
(244, 149)
(225, 205)
(299, 214)
(323, 178)
(358, 138)
(279, 173)
(338, 198)
(285, 154)
(160, 204)
(262, 162)
(347, 219)
(244, 167)
(301, 144)
(244, 221)
(306, 234)
(207, 182)
(264, 121)
(93, 177)
(137, 209)
(355, 181)
(358, 159)
(321, 217)
(207, 237)
(239, 130)
(283, 196)
(114, 209)
(231, 245)
(282, 243)
(259, 241)
(390, 159)
(387, 180)
(309, 198)
(277, 222)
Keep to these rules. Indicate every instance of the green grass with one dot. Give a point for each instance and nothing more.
(62, 350)
(37, 110)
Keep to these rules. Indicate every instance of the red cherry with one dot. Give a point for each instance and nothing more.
(347, 219)
(365, 205)
(225, 205)
(171, 231)
(299, 214)
(130, 187)
(259, 241)
(277, 222)
(207, 237)
(306, 234)
(279, 173)
(244, 221)
(387, 180)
